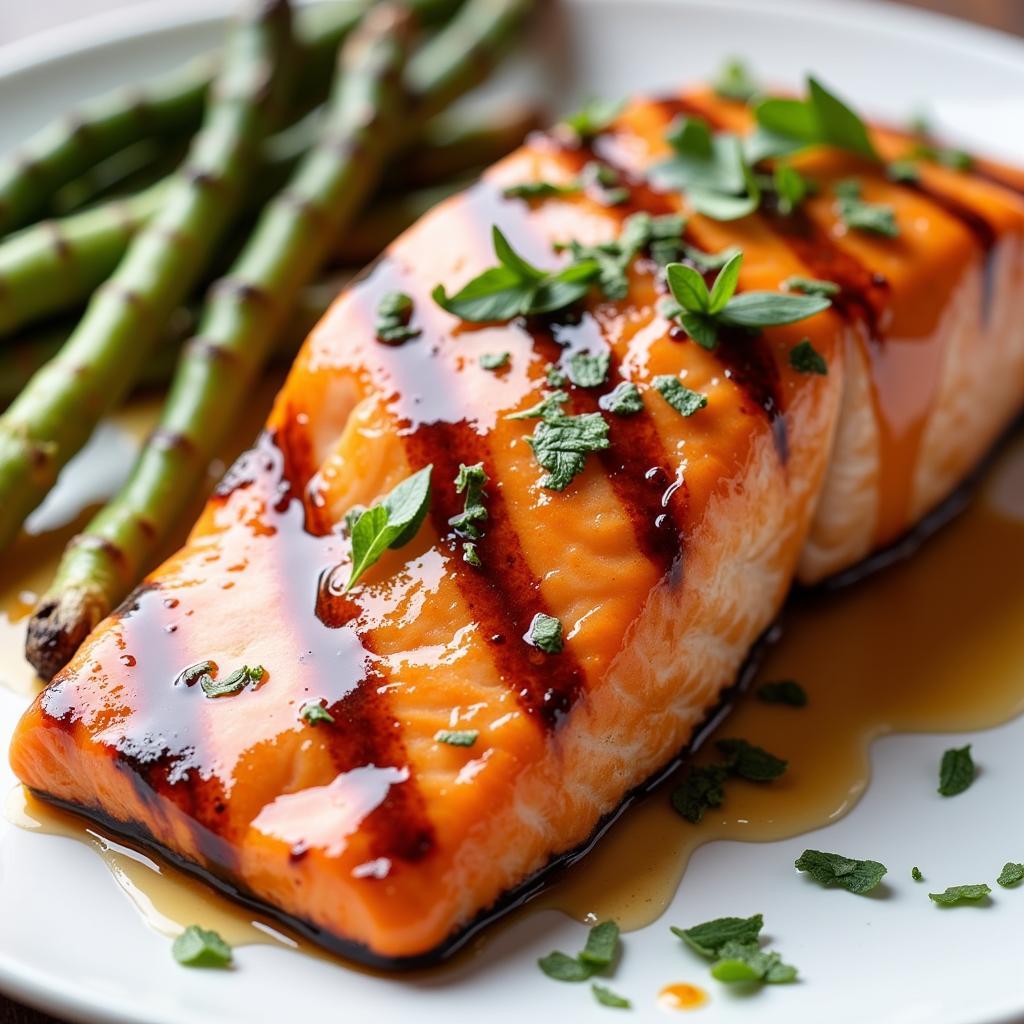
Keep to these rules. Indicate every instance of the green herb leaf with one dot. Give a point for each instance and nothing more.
(562, 967)
(394, 311)
(791, 188)
(956, 772)
(457, 737)
(833, 869)
(725, 286)
(606, 997)
(602, 944)
(233, 683)
(495, 360)
(956, 894)
(805, 358)
(709, 938)
(623, 400)
(955, 159)
(470, 480)
(547, 407)
(594, 117)
(1011, 874)
(735, 82)
(545, 633)
(681, 398)
(197, 947)
(554, 376)
(750, 762)
(561, 444)
(470, 555)
(876, 218)
(785, 691)
(915, 874)
(195, 673)
(589, 371)
(708, 260)
(771, 309)
(688, 287)
(904, 172)
(811, 286)
(315, 713)
(604, 184)
(702, 788)
(532, 190)
(746, 962)
(390, 524)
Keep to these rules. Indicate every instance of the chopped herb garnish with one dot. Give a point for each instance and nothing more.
(554, 376)
(495, 360)
(1011, 874)
(701, 789)
(598, 954)
(548, 406)
(955, 159)
(593, 117)
(197, 947)
(876, 218)
(233, 683)
(791, 188)
(606, 997)
(391, 523)
(471, 481)
(589, 371)
(735, 82)
(703, 312)
(623, 400)
(956, 894)
(194, 673)
(784, 691)
(604, 184)
(394, 311)
(956, 772)
(457, 737)
(561, 444)
(811, 286)
(805, 358)
(685, 401)
(517, 288)
(708, 260)
(545, 633)
(833, 869)
(904, 172)
(470, 555)
(708, 938)
(749, 762)
(531, 190)
(915, 874)
(315, 713)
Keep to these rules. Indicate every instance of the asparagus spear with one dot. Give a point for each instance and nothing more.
(55, 414)
(101, 565)
(166, 107)
(55, 266)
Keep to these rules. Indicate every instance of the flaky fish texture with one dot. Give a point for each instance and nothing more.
(664, 560)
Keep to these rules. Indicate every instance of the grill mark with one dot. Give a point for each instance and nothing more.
(503, 594)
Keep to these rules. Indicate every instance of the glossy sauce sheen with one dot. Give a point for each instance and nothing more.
(664, 561)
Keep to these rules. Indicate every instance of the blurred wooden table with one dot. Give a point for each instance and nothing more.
(19, 20)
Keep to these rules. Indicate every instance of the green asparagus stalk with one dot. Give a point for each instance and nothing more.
(101, 565)
(54, 266)
(56, 413)
(167, 107)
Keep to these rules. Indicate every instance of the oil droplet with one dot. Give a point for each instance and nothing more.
(682, 996)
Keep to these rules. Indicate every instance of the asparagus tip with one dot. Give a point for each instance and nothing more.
(58, 626)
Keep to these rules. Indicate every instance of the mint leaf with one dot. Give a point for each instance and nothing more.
(956, 772)
(195, 673)
(915, 874)
(197, 947)
(562, 967)
(390, 524)
(811, 286)
(1011, 874)
(750, 762)
(681, 398)
(700, 789)
(833, 869)
(709, 938)
(771, 309)
(876, 218)
(495, 360)
(602, 944)
(957, 894)
(606, 997)
(545, 633)
(746, 962)
(903, 172)
(394, 311)
(688, 287)
(471, 481)
(314, 713)
(805, 358)
(233, 683)
(561, 444)
(457, 737)
(785, 691)
(623, 400)
(735, 82)
(587, 371)
(547, 407)
(594, 117)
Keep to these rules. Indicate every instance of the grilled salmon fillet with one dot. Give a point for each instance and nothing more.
(663, 560)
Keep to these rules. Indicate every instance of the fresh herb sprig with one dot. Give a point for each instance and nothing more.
(733, 943)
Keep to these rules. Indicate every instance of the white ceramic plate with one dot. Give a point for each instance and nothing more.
(70, 942)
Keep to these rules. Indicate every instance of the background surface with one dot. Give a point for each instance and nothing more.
(23, 19)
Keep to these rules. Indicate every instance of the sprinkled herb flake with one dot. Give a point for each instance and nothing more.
(588, 371)
(732, 943)
(457, 737)
(533, 190)
(915, 874)
(195, 673)
(554, 376)
(594, 117)
(548, 406)
(394, 312)
(805, 358)
(833, 869)
(956, 772)
(471, 481)
(470, 554)
(708, 938)
(606, 997)
(855, 213)
(1012, 874)
(198, 947)
(681, 398)
(750, 762)
(623, 400)
(701, 789)
(561, 444)
(811, 286)
(903, 172)
(233, 683)
(791, 188)
(735, 82)
(597, 955)
(783, 691)
(545, 633)
(495, 360)
(314, 713)
(956, 895)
